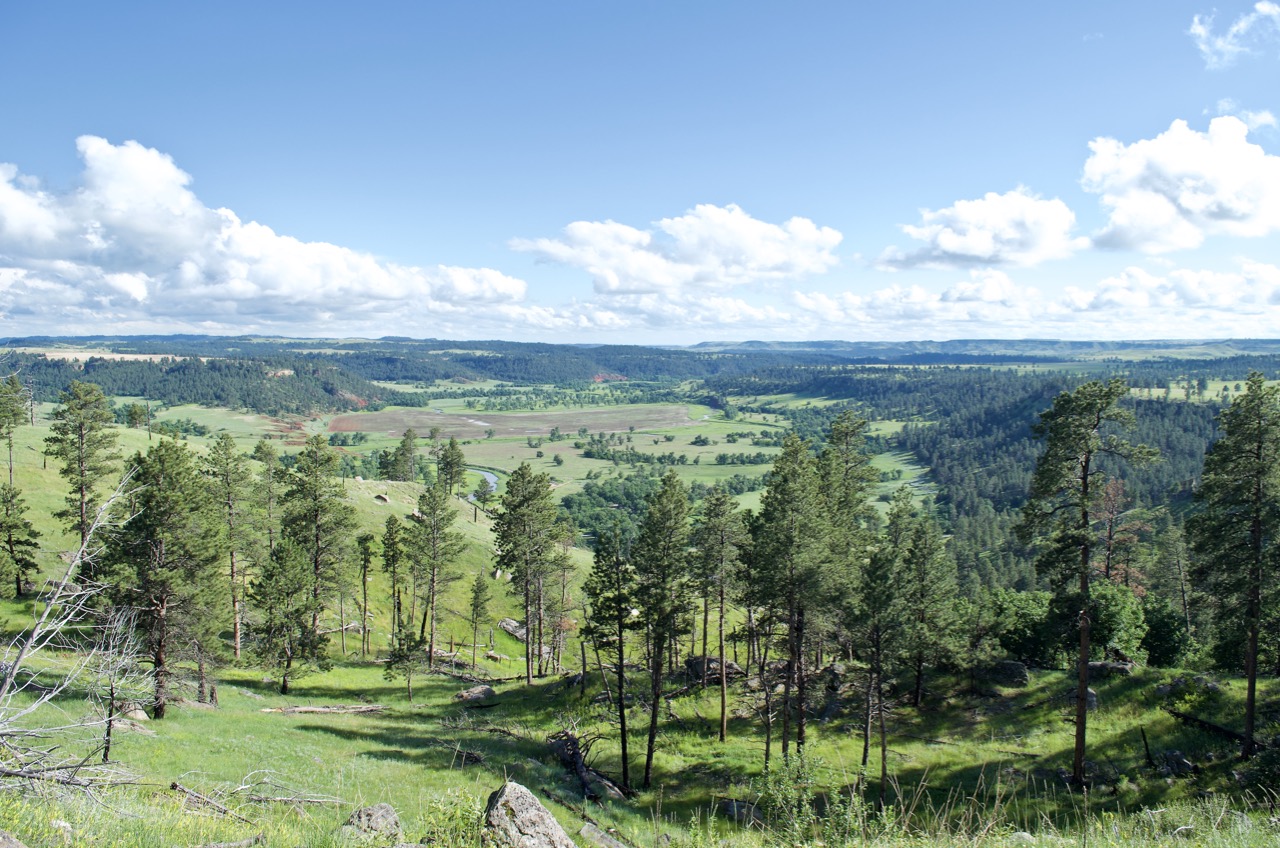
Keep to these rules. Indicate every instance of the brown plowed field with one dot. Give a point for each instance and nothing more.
(472, 425)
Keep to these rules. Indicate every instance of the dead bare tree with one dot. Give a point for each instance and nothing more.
(62, 753)
(113, 673)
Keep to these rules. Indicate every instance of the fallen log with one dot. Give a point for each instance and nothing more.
(337, 709)
(471, 678)
(1208, 726)
(595, 784)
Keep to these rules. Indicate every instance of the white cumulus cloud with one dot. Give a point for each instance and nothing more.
(1252, 119)
(133, 247)
(1014, 228)
(709, 247)
(1220, 50)
(1168, 192)
(1216, 297)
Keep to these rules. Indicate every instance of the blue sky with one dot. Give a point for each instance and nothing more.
(651, 173)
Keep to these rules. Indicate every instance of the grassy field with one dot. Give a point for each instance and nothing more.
(972, 768)
(975, 766)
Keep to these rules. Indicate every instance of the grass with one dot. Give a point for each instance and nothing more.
(967, 770)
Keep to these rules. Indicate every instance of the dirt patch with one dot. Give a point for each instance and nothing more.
(472, 425)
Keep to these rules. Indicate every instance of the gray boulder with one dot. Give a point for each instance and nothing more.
(694, 667)
(513, 627)
(1008, 673)
(1177, 765)
(10, 841)
(475, 693)
(378, 820)
(514, 818)
(596, 836)
(1090, 700)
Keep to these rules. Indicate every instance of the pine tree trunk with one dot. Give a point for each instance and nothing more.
(656, 693)
(528, 634)
(801, 687)
(724, 675)
(160, 659)
(622, 705)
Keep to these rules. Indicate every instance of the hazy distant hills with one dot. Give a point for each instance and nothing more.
(1055, 349)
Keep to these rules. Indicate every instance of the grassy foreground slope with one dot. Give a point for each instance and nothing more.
(978, 765)
(973, 769)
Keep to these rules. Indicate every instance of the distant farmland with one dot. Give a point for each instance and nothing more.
(472, 425)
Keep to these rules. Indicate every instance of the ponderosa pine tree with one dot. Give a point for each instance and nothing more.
(1236, 531)
(319, 522)
(611, 598)
(83, 440)
(18, 545)
(1061, 508)
(367, 548)
(451, 465)
(266, 490)
(164, 558)
(401, 464)
(929, 595)
(13, 413)
(393, 566)
(283, 637)
(718, 536)
(434, 548)
(482, 496)
(478, 609)
(231, 479)
(525, 540)
(847, 482)
(791, 553)
(661, 558)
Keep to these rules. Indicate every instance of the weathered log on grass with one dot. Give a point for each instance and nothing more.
(569, 749)
(1209, 727)
(337, 709)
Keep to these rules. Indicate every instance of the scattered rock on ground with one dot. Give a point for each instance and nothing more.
(124, 725)
(378, 820)
(9, 841)
(515, 628)
(1179, 685)
(1176, 764)
(596, 836)
(475, 693)
(514, 818)
(694, 666)
(1090, 701)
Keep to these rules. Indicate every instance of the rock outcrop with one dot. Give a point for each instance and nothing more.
(514, 818)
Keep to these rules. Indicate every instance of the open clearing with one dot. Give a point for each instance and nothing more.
(78, 354)
(473, 424)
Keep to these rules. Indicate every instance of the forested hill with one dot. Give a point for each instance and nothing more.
(427, 360)
(972, 428)
(271, 386)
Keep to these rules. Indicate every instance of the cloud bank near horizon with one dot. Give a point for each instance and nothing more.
(133, 249)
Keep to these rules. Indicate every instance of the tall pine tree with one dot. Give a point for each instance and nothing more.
(1237, 528)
